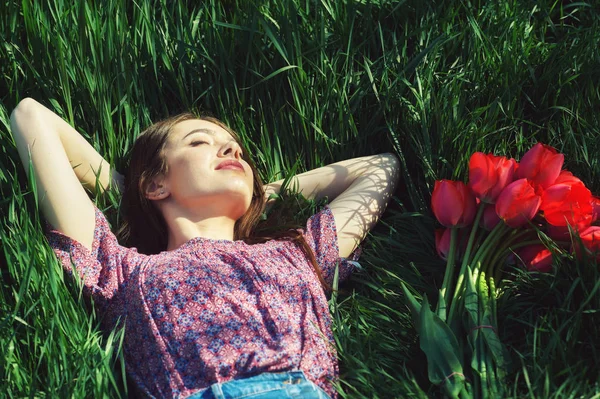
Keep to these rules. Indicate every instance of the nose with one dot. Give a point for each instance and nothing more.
(231, 148)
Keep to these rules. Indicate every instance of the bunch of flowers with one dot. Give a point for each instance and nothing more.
(507, 210)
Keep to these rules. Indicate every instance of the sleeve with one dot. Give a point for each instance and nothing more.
(321, 236)
(105, 269)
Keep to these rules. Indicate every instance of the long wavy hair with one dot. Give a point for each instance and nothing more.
(144, 226)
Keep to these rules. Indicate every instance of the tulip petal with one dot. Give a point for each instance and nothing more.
(490, 218)
(482, 175)
(469, 207)
(453, 203)
(550, 170)
(518, 203)
(568, 204)
(446, 203)
(536, 258)
(590, 239)
(555, 195)
(541, 165)
(566, 177)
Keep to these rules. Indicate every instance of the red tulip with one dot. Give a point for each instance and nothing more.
(541, 165)
(568, 203)
(518, 203)
(442, 242)
(489, 174)
(453, 203)
(536, 258)
(567, 177)
(590, 238)
(490, 218)
(595, 208)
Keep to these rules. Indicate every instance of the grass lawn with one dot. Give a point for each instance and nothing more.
(314, 82)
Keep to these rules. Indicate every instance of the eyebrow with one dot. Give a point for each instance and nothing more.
(208, 131)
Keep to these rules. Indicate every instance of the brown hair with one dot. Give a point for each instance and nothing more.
(143, 224)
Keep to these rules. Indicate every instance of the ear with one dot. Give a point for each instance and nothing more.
(157, 190)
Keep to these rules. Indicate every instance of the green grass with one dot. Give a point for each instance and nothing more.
(318, 81)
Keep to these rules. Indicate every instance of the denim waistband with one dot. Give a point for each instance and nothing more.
(289, 384)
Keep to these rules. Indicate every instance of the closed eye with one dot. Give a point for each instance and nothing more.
(195, 143)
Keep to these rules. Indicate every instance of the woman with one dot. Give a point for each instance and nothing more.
(209, 310)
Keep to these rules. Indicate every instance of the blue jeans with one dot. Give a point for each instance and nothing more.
(292, 384)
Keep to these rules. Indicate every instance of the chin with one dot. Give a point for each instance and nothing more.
(240, 208)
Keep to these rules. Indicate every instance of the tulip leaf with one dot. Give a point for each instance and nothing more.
(472, 308)
(414, 306)
(471, 300)
(497, 348)
(442, 350)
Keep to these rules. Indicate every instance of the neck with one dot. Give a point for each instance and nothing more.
(204, 221)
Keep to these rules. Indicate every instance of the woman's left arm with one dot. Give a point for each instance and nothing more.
(358, 190)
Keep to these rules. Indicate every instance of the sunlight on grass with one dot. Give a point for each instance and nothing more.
(316, 82)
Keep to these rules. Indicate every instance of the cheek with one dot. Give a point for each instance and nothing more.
(186, 173)
(250, 180)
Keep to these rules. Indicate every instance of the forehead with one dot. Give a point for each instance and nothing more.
(182, 129)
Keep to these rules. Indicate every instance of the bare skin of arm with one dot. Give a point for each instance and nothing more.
(358, 189)
(64, 163)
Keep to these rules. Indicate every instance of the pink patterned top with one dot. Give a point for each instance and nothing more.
(214, 310)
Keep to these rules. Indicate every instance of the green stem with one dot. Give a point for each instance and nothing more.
(489, 243)
(478, 338)
(447, 283)
(500, 268)
(492, 288)
(492, 380)
(465, 263)
(476, 380)
(483, 372)
(490, 266)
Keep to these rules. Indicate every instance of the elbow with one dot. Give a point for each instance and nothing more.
(391, 161)
(392, 167)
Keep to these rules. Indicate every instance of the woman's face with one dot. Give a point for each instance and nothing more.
(195, 151)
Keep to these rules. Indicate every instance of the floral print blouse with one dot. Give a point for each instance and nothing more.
(213, 310)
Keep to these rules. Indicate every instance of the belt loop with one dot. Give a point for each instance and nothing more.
(303, 374)
(217, 391)
(299, 374)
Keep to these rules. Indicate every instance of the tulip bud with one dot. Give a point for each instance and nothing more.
(518, 203)
(490, 218)
(540, 165)
(453, 203)
(536, 258)
(442, 242)
(489, 174)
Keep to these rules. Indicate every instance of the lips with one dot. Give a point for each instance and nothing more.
(230, 164)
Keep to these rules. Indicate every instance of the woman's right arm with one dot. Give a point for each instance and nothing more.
(63, 163)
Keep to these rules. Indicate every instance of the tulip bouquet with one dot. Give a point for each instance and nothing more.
(524, 212)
